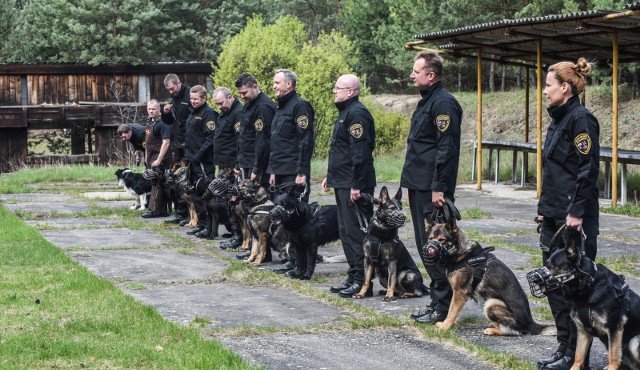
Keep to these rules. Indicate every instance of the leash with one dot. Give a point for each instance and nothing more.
(448, 210)
(363, 221)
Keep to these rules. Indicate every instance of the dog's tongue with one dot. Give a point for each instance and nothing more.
(233, 198)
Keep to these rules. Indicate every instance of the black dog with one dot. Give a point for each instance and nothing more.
(309, 226)
(136, 185)
(214, 195)
(603, 306)
(384, 252)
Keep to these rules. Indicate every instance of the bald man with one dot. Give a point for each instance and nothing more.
(351, 173)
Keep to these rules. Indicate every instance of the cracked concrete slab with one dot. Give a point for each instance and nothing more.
(232, 306)
(150, 266)
(74, 222)
(356, 349)
(105, 238)
(49, 207)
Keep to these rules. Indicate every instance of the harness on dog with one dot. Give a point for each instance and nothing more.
(478, 261)
(620, 292)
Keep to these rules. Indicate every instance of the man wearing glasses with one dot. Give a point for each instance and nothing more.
(431, 167)
(351, 174)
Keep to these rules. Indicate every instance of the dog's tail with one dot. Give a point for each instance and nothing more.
(539, 329)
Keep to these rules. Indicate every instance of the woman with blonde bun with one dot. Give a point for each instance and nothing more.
(569, 191)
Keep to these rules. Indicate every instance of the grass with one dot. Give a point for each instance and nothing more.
(57, 314)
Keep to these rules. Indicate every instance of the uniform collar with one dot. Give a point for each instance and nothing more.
(283, 100)
(345, 103)
(559, 111)
(231, 108)
(195, 110)
(429, 90)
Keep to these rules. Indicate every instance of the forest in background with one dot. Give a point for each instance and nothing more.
(136, 31)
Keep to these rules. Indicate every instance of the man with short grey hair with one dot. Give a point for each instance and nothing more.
(291, 144)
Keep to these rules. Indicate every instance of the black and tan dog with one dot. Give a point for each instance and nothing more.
(603, 306)
(385, 253)
(184, 189)
(475, 273)
(309, 226)
(256, 206)
(214, 195)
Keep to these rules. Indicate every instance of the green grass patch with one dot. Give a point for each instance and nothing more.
(17, 182)
(474, 213)
(626, 210)
(55, 313)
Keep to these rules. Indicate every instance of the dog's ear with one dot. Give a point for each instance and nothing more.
(384, 195)
(398, 196)
(452, 225)
(429, 223)
(573, 242)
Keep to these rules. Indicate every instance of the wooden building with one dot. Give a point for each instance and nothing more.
(92, 101)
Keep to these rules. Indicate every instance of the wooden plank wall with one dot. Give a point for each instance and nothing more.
(62, 89)
(10, 90)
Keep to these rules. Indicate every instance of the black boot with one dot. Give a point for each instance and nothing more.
(234, 242)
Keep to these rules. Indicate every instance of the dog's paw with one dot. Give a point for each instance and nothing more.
(492, 331)
(134, 207)
(358, 296)
(443, 325)
(305, 277)
(389, 298)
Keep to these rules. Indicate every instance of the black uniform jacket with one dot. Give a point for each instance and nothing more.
(138, 135)
(570, 163)
(433, 145)
(177, 119)
(255, 134)
(200, 129)
(292, 137)
(352, 145)
(226, 138)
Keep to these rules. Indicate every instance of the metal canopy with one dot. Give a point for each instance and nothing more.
(563, 37)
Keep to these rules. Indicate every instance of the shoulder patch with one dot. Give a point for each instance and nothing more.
(356, 130)
(303, 121)
(236, 126)
(259, 125)
(442, 121)
(211, 125)
(583, 143)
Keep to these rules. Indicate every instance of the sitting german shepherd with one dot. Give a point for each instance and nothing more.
(309, 226)
(180, 177)
(256, 202)
(475, 273)
(214, 195)
(384, 252)
(603, 306)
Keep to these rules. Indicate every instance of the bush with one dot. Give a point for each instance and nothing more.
(391, 129)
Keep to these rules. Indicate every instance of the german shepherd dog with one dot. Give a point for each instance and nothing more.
(180, 177)
(384, 252)
(256, 203)
(309, 226)
(475, 273)
(603, 306)
(214, 195)
(134, 184)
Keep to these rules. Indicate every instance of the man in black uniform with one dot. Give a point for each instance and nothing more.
(431, 167)
(569, 194)
(291, 142)
(226, 140)
(175, 114)
(157, 142)
(254, 134)
(198, 148)
(351, 174)
(135, 134)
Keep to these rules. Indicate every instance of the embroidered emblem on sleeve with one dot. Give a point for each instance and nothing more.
(442, 121)
(303, 121)
(583, 143)
(211, 125)
(259, 125)
(356, 130)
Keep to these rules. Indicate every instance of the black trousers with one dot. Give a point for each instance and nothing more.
(421, 206)
(559, 303)
(351, 235)
(283, 179)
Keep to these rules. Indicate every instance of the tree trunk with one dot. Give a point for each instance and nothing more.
(503, 82)
(519, 78)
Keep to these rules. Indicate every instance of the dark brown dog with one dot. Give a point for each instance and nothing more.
(385, 253)
(475, 273)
